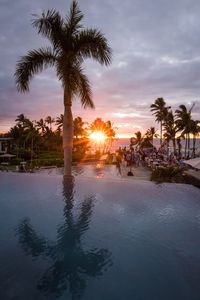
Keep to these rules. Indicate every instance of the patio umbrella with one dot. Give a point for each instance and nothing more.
(194, 162)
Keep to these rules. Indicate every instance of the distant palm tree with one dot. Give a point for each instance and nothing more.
(160, 110)
(184, 123)
(71, 44)
(59, 122)
(31, 134)
(151, 132)
(195, 130)
(139, 138)
(21, 119)
(170, 129)
(49, 120)
(41, 125)
(79, 131)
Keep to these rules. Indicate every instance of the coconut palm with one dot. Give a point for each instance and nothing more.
(195, 130)
(160, 110)
(49, 120)
(139, 138)
(41, 125)
(59, 122)
(21, 119)
(70, 45)
(79, 131)
(170, 129)
(184, 124)
(151, 133)
(31, 134)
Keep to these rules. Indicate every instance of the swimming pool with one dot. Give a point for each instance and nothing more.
(98, 239)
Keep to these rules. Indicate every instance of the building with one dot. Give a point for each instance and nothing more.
(5, 145)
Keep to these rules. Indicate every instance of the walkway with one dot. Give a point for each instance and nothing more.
(140, 173)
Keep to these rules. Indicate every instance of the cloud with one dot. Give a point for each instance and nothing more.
(155, 54)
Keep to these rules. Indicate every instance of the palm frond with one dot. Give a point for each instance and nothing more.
(32, 63)
(85, 91)
(50, 25)
(72, 24)
(75, 81)
(91, 43)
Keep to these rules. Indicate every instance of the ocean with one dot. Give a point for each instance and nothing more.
(125, 142)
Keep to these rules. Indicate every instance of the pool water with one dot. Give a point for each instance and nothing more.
(96, 170)
(98, 239)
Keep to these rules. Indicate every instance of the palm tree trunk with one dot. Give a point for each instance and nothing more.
(160, 133)
(185, 145)
(188, 144)
(67, 134)
(31, 151)
(174, 145)
(194, 146)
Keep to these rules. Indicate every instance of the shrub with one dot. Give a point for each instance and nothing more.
(169, 174)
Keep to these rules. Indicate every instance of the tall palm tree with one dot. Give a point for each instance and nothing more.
(195, 130)
(170, 129)
(160, 110)
(70, 45)
(184, 123)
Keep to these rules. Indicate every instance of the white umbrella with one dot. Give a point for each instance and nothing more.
(194, 162)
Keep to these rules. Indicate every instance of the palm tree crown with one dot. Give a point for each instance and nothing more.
(70, 45)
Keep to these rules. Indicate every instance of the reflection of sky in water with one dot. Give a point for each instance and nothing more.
(97, 239)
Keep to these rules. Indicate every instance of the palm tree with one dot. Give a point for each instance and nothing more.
(151, 133)
(49, 120)
(160, 110)
(70, 45)
(41, 125)
(195, 130)
(110, 133)
(170, 129)
(79, 131)
(139, 138)
(21, 119)
(59, 122)
(184, 123)
(31, 133)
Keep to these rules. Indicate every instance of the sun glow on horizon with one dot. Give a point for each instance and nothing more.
(98, 136)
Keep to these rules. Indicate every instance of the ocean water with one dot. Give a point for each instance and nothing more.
(98, 239)
(124, 142)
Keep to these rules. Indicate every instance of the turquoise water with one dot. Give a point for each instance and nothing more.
(98, 239)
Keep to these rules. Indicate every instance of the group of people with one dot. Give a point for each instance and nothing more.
(134, 157)
(129, 156)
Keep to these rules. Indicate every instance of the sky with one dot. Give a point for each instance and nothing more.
(156, 53)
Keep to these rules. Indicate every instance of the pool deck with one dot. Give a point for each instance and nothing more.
(139, 173)
(193, 177)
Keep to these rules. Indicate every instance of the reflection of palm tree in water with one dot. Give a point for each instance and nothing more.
(71, 264)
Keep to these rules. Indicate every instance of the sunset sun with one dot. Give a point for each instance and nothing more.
(98, 136)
